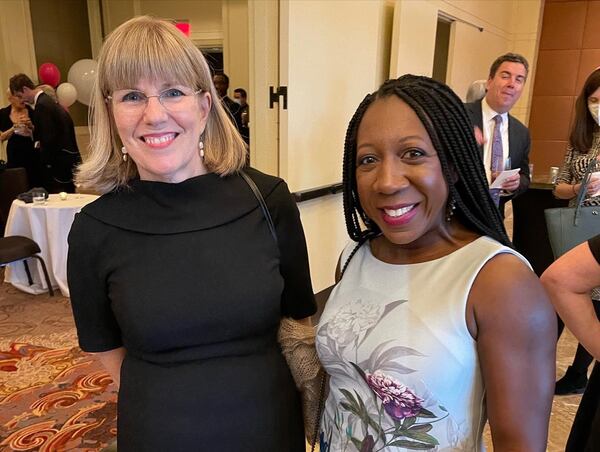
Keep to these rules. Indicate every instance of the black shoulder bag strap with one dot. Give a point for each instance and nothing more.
(261, 203)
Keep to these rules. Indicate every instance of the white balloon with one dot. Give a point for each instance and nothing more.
(67, 94)
(83, 75)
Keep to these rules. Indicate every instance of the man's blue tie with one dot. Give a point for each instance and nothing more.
(497, 156)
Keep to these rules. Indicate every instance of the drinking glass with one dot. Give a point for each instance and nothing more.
(39, 198)
(498, 166)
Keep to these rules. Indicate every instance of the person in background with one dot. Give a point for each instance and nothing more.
(569, 281)
(17, 129)
(241, 98)
(476, 91)
(500, 134)
(50, 91)
(423, 334)
(583, 148)
(221, 82)
(177, 284)
(54, 135)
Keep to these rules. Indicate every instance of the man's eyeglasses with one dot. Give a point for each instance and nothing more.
(172, 99)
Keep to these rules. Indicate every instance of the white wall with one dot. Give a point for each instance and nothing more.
(325, 230)
(16, 47)
(17, 52)
(330, 57)
(509, 26)
(235, 44)
(332, 53)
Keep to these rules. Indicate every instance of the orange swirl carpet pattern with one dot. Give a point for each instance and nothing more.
(53, 396)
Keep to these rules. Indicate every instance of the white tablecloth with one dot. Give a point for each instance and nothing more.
(48, 225)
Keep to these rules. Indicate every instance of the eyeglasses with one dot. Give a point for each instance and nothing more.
(172, 99)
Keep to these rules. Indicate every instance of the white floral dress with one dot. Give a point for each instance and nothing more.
(404, 371)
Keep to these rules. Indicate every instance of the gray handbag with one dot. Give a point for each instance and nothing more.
(570, 226)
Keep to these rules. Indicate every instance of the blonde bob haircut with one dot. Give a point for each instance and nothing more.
(146, 47)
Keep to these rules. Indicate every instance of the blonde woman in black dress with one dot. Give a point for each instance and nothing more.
(176, 282)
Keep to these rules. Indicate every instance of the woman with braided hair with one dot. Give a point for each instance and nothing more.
(436, 323)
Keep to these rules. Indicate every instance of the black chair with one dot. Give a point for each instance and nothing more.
(17, 248)
(13, 181)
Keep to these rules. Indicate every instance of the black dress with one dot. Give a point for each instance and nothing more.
(585, 433)
(189, 280)
(20, 151)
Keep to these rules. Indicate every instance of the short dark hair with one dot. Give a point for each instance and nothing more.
(584, 126)
(224, 75)
(444, 117)
(511, 58)
(18, 82)
(242, 92)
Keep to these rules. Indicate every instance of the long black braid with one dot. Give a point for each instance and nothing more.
(451, 132)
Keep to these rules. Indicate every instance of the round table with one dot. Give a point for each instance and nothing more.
(48, 225)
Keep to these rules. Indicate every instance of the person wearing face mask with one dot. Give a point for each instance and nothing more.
(584, 145)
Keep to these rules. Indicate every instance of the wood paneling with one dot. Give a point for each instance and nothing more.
(550, 117)
(555, 74)
(548, 153)
(591, 36)
(563, 25)
(569, 51)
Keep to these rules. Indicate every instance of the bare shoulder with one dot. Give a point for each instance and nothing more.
(507, 294)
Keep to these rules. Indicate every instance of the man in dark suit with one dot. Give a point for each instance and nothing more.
(221, 82)
(491, 116)
(54, 135)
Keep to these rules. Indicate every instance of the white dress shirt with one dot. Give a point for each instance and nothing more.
(35, 99)
(488, 134)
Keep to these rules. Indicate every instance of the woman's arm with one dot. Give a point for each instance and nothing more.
(565, 187)
(515, 328)
(569, 281)
(112, 361)
(6, 134)
(566, 191)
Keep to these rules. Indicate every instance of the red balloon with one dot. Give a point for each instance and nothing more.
(184, 27)
(49, 74)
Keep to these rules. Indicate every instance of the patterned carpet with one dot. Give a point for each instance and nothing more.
(53, 396)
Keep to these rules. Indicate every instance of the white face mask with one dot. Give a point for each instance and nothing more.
(237, 100)
(593, 108)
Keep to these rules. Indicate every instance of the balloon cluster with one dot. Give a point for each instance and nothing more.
(81, 78)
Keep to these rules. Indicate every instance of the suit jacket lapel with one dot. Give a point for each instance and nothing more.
(478, 121)
(513, 145)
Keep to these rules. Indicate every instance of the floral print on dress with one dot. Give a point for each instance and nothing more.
(380, 411)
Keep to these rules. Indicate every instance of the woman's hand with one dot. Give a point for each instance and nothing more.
(513, 322)
(593, 185)
(112, 361)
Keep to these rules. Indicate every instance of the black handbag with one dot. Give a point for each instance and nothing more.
(571, 226)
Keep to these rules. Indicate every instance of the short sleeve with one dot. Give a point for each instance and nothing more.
(297, 300)
(97, 328)
(594, 244)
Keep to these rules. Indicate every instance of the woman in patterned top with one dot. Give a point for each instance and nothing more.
(584, 145)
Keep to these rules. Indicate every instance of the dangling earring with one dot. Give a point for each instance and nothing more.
(367, 222)
(201, 147)
(450, 208)
(124, 151)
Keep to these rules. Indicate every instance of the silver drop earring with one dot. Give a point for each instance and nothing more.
(201, 147)
(124, 151)
(450, 208)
